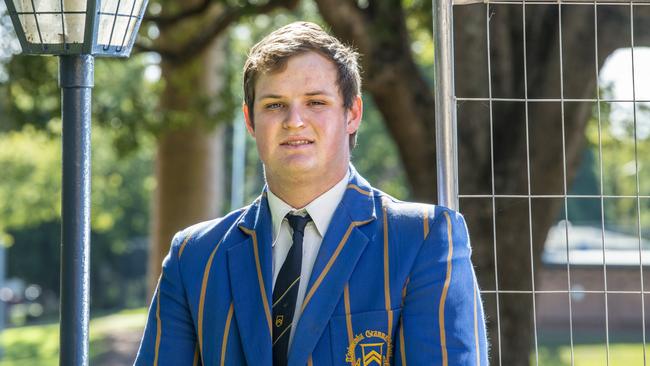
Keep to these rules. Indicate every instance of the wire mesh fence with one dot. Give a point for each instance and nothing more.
(553, 126)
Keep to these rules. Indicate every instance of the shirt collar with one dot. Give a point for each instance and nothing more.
(320, 209)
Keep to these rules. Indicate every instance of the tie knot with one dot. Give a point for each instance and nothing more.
(298, 223)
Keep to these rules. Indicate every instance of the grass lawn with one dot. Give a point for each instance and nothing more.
(38, 345)
(627, 354)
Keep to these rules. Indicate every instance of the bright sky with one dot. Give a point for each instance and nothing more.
(617, 71)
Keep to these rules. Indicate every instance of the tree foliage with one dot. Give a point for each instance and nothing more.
(618, 150)
(124, 115)
(31, 147)
(30, 202)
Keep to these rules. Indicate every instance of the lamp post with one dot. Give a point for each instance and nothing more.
(76, 31)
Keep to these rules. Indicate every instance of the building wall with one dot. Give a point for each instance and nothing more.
(588, 305)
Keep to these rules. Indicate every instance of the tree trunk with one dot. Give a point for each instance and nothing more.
(393, 79)
(189, 159)
(527, 137)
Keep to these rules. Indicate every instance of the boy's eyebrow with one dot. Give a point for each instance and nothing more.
(270, 96)
(309, 94)
(317, 92)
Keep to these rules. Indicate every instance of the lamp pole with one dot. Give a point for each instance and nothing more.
(76, 82)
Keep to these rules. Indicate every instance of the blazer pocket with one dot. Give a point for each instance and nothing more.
(365, 338)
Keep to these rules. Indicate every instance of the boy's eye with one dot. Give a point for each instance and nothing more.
(273, 106)
(316, 102)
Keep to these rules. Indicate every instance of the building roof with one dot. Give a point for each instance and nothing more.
(586, 246)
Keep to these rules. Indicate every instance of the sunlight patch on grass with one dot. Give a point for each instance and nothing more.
(39, 344)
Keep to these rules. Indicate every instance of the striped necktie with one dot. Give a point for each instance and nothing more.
(285, 291)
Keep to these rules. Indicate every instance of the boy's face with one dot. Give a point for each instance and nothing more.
(301, 126)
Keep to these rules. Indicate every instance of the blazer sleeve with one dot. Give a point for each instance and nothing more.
(169, 336)
(442, 320)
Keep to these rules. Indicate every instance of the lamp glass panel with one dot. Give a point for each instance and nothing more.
(48, 6)
(23, 6)
(104, 30)
(48, 19)
(75, 24)
(117, 38)
(122, 7)
(75, 5)
(44, 6)
(51, 27)
(117, 21)
(131, 7)
(129, 30)
(28, 22)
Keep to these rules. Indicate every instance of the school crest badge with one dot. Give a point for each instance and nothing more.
(370, 348)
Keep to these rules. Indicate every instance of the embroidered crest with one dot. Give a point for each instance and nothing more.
(370, 348)
(279, 320)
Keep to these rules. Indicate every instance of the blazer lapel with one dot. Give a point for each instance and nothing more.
(250, 266)
(343, 244)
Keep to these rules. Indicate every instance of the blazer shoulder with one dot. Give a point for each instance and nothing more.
(409, 208)
(410, 216)
(203, 236)
(448, 228)
(445, 215)
(405, 223)
(403, 211)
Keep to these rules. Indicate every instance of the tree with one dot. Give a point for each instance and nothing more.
(380, 30)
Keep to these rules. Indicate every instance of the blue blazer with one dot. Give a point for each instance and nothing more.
(392, 285)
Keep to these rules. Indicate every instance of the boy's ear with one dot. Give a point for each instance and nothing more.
(355, 112)
(250, 127)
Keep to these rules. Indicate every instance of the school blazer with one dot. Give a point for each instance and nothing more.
(392, 285)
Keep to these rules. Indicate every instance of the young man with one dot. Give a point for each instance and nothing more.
(322, 269)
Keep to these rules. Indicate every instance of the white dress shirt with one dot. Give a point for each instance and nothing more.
(321, 211)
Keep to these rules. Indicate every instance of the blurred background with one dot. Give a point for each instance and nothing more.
(554, 162)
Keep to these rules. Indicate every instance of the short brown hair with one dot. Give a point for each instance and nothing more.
(272, 52)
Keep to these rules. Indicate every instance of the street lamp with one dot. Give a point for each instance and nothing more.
(76, 31)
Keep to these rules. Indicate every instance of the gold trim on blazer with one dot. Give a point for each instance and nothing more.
(260, 278)
(387, 275)
(226, 332)
(329, 264)
(348, 316)
(401, 328)
(426, 223)
(195, 362)
(478, 359)
(204, 286)
(158, 324)
(445, 289)
(182, 248)
(359, 189)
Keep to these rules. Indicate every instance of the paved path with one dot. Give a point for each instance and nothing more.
(122, 347)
